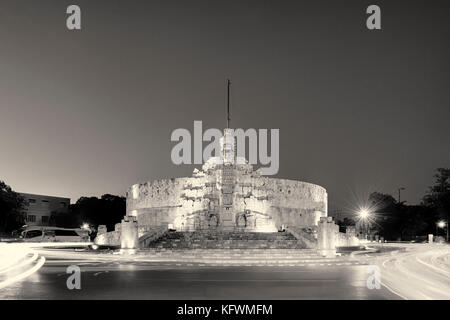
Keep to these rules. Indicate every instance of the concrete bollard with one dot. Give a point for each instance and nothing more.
(101, 229)
(129, 235)
(327, 237)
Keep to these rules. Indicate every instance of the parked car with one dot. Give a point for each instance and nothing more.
(54, 234)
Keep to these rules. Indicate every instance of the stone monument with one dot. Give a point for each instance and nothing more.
(226, 195)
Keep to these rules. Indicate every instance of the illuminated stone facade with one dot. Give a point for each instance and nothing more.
(226, 196)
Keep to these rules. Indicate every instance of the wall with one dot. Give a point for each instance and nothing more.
(257, 203)
(111, 238)
(156, 203)
(289, 202)
(347, 239)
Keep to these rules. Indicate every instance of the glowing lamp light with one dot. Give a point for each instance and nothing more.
(85, 226)
(441, 224)
(364, 213)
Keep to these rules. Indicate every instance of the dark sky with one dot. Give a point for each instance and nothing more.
(91, 112)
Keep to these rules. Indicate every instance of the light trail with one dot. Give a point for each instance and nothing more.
(10, 255)
(23, 275)
(21, 264)
(17, 256)
(393, 291)
(433, 267)
(415, 273)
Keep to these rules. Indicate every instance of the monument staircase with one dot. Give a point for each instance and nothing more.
(237, 257)
(227, 240)
(235, 248)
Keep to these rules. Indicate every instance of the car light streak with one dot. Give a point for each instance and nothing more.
(23, 275)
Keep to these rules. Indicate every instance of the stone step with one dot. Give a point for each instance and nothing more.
(242, 236)
(254, 259)
(227, 240)
(229, 236)
(226, 255)
(235, 251)
(298, 246)
(247, 261)
(239, 257)
(237, 254)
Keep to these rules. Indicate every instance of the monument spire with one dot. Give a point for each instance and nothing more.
(228, 103)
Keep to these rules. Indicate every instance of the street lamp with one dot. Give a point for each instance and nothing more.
(399, 193)
(364, 217)
(441, 224)
(363, 213)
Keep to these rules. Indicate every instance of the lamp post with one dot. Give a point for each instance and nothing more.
(364, 215)
(399, 193)
(441, 224)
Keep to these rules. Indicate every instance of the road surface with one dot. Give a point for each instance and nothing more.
(418, 272)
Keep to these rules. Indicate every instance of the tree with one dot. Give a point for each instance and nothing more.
(108, 210)
(382, 201)
(387, 215)
(438, 197)
(344, 223)
(413, 221)
(347, 222)
(64, 219)
(394, 220)
(11, 208)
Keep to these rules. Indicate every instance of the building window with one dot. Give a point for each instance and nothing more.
(44, 219)
(62, 204)
(31, 200)
(45, 201)
(31, 218)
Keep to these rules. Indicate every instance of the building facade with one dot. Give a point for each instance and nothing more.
(40, 208)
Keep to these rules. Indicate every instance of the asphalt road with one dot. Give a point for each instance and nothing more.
(407, 271)
(420, 272)
(142, 280)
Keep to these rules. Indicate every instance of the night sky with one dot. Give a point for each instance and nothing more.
(91, 112)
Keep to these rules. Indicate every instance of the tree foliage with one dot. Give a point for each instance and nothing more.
(11, 208)
(108, 210)
(401, 221)
(438, 196)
